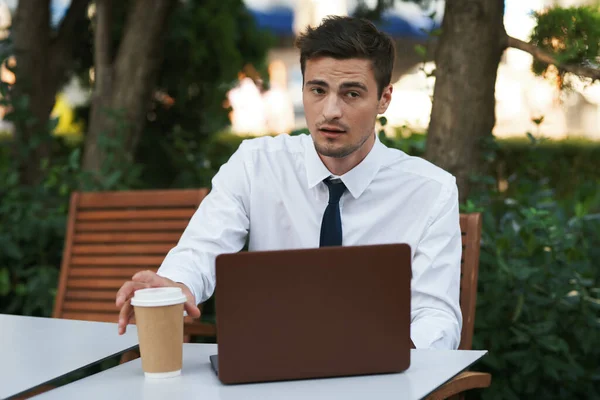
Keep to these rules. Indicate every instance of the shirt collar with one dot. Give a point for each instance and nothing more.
(356, 180)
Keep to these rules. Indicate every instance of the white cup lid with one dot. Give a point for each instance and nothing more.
(157, 297)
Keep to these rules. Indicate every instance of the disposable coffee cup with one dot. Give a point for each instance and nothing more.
(159, 320)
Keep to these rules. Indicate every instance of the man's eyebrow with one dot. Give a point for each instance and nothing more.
(350, 85)
(317, 82)
(345, 85)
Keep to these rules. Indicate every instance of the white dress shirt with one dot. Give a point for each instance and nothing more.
(272, 190)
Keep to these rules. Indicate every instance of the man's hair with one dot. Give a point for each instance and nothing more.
(343, 38)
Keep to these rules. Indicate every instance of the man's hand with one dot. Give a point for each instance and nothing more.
(143, 280)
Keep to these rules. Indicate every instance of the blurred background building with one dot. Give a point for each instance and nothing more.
(521, 96)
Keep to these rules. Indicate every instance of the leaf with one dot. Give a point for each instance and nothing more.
(594, 303)
(525, 273)
(538, 121)
(21, 103)
(4, 88)
(10, 249)
(554, 344)
(586, 282)
(515, 357)
(20, 289)
(436, 32)
(542, 328)
(421, 50)
(74, 159)
(532, 138)
(493, 361)
(4, 281)
(518, 308)
(53, 123)
(529, 366)
(592, 217)
(112, 179)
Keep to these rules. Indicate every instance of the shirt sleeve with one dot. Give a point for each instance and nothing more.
(219, 225)
(436, 317)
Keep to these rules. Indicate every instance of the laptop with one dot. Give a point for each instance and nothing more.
(312, 313)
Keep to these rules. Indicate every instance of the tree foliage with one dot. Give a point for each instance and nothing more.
(209, 43)
(571, 35)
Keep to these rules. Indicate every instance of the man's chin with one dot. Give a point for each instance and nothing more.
(333, 151)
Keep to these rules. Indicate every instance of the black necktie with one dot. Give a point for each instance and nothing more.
(331, 227)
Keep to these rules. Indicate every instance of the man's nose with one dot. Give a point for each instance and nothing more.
(333, 108)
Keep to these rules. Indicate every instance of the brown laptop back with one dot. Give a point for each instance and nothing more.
(311, 313)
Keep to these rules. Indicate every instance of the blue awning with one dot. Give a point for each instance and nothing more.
(399, 27)
(280, 21)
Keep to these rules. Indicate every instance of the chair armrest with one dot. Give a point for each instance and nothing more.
(195, 327)
(461, 383)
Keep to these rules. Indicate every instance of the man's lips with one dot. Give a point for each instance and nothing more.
(331, 130)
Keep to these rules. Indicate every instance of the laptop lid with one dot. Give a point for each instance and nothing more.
(310, 313)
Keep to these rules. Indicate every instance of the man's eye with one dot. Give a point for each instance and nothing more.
(317, 90)
(353, 94)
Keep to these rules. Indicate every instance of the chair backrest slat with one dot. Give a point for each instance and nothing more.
(140, 199)
(111, 236)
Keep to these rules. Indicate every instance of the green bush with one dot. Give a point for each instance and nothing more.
(33, 218)
(207, 45)
(569, 166)
(33, 226)
(538, 304)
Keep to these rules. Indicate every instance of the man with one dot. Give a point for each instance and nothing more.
(338, 186)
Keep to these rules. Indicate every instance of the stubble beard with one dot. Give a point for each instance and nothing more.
(330, 151)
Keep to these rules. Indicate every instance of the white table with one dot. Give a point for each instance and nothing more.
(429, 370)
(35, 351)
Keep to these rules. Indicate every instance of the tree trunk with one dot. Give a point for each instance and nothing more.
(31, 32)
(42, 61)
(463, 111)
(103, 77)
(134, 73)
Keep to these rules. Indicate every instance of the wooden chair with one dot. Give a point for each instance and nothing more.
(470, 225)
(112, 235)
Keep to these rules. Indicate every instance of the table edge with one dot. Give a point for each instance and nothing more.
(26, 391)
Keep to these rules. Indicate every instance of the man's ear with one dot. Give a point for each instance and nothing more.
(386, 98)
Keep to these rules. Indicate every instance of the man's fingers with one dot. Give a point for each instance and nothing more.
(143, 280)
(151, 278)
(127, 291)
(192, 309)
(124, 316)
(190, 305)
